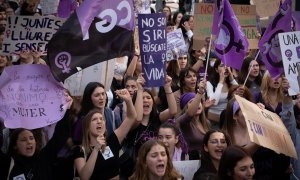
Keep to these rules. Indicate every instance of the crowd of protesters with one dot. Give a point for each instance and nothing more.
(132, 132)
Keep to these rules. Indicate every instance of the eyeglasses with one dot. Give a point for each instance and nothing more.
(217, 141)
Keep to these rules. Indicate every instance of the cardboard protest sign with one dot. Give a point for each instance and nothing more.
(101, 72)
(49, 6)
(187, 168)
(28, 33)
(266, 129)
(266, 7)
(30, 97)
(153, 47)
(290, 52)
(175, 45)
(203, 20)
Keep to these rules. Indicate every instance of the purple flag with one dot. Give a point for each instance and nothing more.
(109, 38)
(269, 44)
(218, 16)
(153, 43)
(296, 20)
(119, 12)
(65, 8)
(231, 44)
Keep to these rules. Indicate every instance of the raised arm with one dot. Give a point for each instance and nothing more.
(139, 98)
(217, 93)
(132, 66)
(172, 108)
(200, 59)
(130, 118)
(193, 107)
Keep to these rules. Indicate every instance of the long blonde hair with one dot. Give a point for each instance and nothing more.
(266, 89)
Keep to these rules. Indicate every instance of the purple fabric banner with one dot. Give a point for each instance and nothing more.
(231, 44)
(296, 20)
(218, 16)
(30, 97)
(116, 12)
(269, 44)
(153, 46)
(65, 8)
(67, 50)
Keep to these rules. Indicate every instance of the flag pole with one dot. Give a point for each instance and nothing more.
(208, 54)
(251, 68)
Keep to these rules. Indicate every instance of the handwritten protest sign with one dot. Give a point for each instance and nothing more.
(266, 7)
(203, 20)
(101, 72)
(187, 168)
(29, 32)
(290, 52)
(30, 97)
(175, 45)
(266, 129)
(153, 47)
(49, 6)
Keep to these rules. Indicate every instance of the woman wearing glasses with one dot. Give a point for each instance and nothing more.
(214, 144)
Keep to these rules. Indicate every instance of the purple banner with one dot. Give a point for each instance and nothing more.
(269, 44)
(66, 7)
(67, 50)
(231, 44)
(116, 12)
(30, 97)
(153, 46)
(296, 20)
(218, 16)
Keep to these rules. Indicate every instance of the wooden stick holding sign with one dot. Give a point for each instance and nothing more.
(208, 54)
(250, 68)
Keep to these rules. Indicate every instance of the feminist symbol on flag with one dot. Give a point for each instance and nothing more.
(272, 47)
(62, 61)
(239, 45)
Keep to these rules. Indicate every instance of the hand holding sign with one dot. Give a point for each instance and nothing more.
(240, 91)
(36, 54)
(285, 84)
(202, 84)
(24, 54)
(69, 100)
